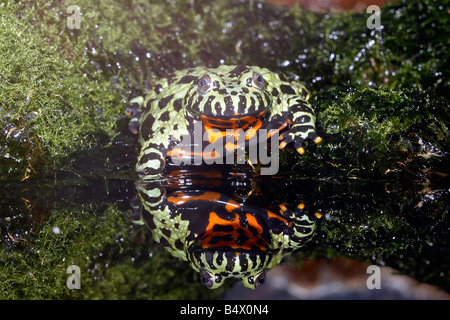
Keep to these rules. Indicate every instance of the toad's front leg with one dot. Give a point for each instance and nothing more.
(301, 124)
(302, 225)
(151, 160)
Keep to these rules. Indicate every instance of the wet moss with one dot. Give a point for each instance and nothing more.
(116, 257)
(408, 50)
(371, 130)
(49, 105)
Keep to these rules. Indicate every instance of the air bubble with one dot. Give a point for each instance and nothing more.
(56, 230)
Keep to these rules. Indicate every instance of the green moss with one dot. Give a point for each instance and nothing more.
(408, 51)
(116, 258)
(50, 107)
(375, 128)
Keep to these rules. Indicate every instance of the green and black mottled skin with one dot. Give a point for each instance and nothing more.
(219, 237)
(228, 97)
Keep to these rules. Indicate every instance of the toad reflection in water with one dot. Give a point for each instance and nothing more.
(220, 237)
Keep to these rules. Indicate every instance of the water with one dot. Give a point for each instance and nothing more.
(375, 222)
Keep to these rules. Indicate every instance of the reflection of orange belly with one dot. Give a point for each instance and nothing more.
(239, 230)
(232, 233)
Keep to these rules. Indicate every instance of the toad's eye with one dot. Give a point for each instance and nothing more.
(204, 84)
(258, 80)
(206, 278)
(260, 279)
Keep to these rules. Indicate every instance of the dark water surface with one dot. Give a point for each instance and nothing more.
(87, 220)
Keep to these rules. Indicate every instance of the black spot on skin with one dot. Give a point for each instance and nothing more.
(164, 242)
(187, 79)
(282, 76)
(304, 128)
(303, 119)
(148, 219)
(301, 107)
(164, 101)
(243, 262)
(252, 101)
(208, 103)
(146, 127)
(237, 71)
(158, 88)
(245, 90)
(242, 104)
(219, 259)
(287, 89)
(226, 238)
(228, 102)
(165, 116)
(177, 105)
(225, 228)
(275, 92)
(304, 230)
(165, 232)
(242, 239)
(179, 244)
(233, 93)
